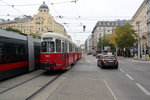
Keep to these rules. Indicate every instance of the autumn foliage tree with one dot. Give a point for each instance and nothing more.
(124, 36)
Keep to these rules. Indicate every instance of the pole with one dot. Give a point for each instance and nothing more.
(102, 44)
(116, 49)
(138, 39)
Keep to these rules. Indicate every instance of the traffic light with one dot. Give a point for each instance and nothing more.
(84, 28)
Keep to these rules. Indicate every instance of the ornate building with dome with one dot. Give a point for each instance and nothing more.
(40, 23)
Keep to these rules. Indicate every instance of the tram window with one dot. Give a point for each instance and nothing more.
(1, 53)
(44, 46)
(63, 45)
(51, 47)
(58, 45)
(10, 52)
(66, 48)
(70, 47)
(48, 46)
(21, 53)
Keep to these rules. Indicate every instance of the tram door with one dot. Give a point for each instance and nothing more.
(64, 56)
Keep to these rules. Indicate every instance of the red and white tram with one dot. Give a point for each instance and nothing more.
(58, 52)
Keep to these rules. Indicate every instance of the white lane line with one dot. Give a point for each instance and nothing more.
(129, 77)
(143, 89)
(110, 90)
(122, 71)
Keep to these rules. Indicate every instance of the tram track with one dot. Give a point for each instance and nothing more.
(30, 88)
(21, 83)
(43, 87)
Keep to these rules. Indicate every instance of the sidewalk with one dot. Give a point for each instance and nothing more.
(132, 59)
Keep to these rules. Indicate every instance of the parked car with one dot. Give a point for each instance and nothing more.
(107, 61)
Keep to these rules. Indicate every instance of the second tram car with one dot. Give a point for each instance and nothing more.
(58, 52)
(18, 54)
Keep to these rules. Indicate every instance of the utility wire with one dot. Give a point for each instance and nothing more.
(78, 13)
(12, 6)
(57, 13)
(40, 4)
(92, 18)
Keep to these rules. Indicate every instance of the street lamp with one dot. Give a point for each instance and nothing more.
(138, 25)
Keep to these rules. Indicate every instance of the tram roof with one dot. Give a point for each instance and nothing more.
(57, 36)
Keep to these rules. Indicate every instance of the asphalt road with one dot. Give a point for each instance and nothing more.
(86, 81)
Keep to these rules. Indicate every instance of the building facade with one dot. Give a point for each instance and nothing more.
(141, 24)
(148, 26)
(104, 27)
(88, 45)
(40, 23)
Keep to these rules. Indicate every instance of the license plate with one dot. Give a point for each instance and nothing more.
(110, 61)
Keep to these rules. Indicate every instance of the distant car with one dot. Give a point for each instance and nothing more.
(89, 53)
(98, 56)
(109, 53)
(94, 54)
(107, 61)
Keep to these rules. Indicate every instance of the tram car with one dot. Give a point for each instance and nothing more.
(58, 52)
(18, 54)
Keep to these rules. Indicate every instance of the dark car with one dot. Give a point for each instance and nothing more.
(107, 61)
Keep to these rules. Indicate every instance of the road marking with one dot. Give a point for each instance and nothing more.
(89, 61)
(110, 90)
(143, 89)
(122, 71)
(129, 77)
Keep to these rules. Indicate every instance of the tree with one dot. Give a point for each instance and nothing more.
(105, 41)
(33, 35)
(13, 30)
(125, 36)
(113, 40)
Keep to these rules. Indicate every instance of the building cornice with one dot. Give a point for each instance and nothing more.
(139, 9)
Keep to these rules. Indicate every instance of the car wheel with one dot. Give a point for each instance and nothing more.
(98, 64)
(116, 67)
(102, 66)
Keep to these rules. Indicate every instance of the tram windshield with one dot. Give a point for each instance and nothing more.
(48, 46)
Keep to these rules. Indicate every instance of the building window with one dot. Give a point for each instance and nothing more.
(108, 24)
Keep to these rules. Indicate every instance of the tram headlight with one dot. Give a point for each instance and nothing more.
(47, 62)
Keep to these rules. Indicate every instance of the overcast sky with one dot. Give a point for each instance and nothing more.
(90, 11)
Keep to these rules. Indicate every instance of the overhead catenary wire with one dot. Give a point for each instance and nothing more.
(55, 10)
(53, 3)
(12, 6)
(92, 18)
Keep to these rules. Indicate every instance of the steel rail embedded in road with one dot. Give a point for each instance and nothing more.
(20, 83)
(43, 87)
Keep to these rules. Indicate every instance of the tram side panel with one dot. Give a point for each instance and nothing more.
(13, 57)
(14, 54)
